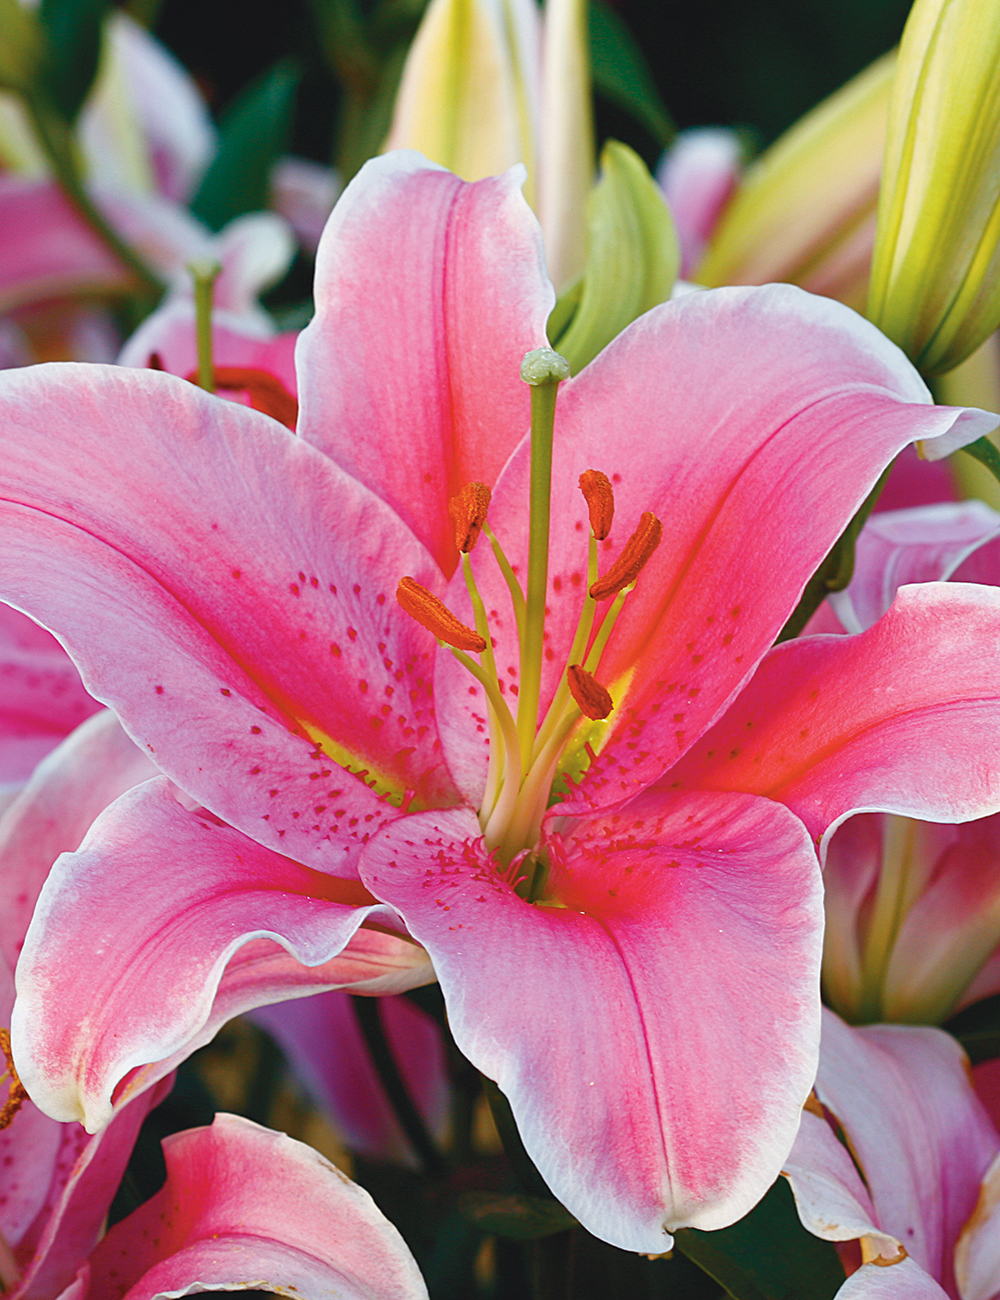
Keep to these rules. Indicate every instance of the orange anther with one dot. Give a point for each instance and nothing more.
(436, 617)
(16, 1093)
(266, 391)
(600, 498)
(592, 699)
(468, 511)
(635, 554)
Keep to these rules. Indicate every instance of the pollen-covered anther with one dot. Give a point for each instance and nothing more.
(16, 1092)
(591, 698)
(431, 613)
(633, 559)
(600, 498)
(468, 511)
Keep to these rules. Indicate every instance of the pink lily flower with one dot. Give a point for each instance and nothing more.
(340, 759)
(913, 907)
(244, 1208)
(926, 1214)
(56, 1182)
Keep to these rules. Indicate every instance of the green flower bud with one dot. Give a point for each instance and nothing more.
(632, 260)
(22, 46)
(935, 284)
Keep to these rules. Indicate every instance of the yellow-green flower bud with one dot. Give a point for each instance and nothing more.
(22, 46)
(805, 211)
(468, 94)
(632, 260)
(935, 285)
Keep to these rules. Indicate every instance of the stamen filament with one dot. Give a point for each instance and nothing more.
(526, 825)
(496, 765)
(510, 577)
(604, 631)
(544, 370)
(512, 782)
(580, 638)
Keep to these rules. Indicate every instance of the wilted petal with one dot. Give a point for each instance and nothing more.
(168, 899)
(429, 291)
(902, 718)
(662, 1087)
(248, 1209)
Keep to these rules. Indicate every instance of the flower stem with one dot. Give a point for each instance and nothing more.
(204, 275)
(56, 138)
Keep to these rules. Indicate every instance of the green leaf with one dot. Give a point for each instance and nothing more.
(632, 258)
(986, 453)
(252, 135)
(768, 1255)
(73, 50)
(621, 74)
(522, 1218)
(977, 1028)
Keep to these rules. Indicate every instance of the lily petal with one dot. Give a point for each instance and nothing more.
(43, 697)
(92, 767)
(916, 1128)
(168, 899)
(714, 411)
(410, 369)
(680, 1079)
(244, 1208)
(977, 1257)
(925, 544)
(253, 574)
(900, 718)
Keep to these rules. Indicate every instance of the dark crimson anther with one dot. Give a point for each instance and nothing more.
(266, 391)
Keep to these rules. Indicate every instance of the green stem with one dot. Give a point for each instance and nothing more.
(57, 140)
(204, 275)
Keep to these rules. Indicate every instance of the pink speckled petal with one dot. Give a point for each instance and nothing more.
(654, 1085)
(429, 291)
(170, 899)
(902, 718)
(234, 605)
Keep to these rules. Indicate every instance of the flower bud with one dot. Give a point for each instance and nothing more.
(22, 46)
(805, 211)
(935, 283)
(468, 94)
(632, 259)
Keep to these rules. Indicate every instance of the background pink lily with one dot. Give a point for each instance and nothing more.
(270, 675)
(913, 907)
(926, 1212)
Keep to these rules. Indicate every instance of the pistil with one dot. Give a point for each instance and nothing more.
(544, 370)
(522, 764)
